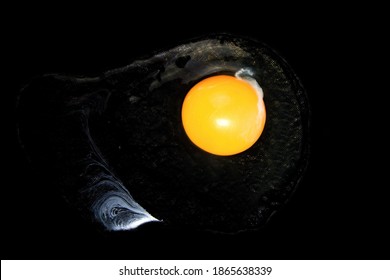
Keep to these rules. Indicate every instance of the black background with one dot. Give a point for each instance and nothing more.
(340, 211)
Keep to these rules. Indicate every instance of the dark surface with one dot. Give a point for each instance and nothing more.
(340, 210)
(128, 120)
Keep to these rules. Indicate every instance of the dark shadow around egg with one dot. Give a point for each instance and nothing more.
(119, 153)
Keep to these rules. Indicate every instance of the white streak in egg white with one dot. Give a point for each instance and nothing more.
(246, 74)
(110, 201)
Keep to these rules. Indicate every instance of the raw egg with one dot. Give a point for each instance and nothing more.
(131, 162)
(224, 115)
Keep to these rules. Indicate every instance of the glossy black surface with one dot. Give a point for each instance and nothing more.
(102, 137)
(340, 211)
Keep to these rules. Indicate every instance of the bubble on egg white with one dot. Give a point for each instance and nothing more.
(198, 66)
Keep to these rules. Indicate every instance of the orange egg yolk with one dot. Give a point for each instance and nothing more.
(223, 115)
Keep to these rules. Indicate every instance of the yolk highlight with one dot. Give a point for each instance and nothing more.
(223, 115)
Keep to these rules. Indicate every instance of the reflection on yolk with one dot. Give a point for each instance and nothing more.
(224, 115)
